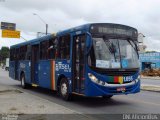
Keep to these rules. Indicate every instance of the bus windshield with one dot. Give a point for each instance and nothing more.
(114, 53)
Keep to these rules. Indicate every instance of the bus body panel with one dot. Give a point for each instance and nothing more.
(12, 69)
(45, 74)
(36, 73)
(24, 66)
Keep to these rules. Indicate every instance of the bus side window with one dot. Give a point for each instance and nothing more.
(20, 53)
(28, 53)
(43, 50)
(12, 54)
(23, 51)
(17, 56)
(64, 47)
(52, 48)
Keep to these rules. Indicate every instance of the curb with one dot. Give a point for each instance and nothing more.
(153, 78)
(152, 88)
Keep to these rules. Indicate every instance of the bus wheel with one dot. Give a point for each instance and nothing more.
(23, 84)
(107, 96)
(64, 89)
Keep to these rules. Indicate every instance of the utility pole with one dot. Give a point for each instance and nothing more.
(43, 22)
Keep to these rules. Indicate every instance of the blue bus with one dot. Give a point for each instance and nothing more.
(99, 59)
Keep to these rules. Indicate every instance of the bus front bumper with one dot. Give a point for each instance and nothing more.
(113, 89)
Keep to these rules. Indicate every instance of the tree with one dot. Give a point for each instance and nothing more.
(4, 53)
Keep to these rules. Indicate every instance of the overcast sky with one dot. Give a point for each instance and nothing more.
(62, 14)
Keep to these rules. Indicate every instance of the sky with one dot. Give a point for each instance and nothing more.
(62, 14)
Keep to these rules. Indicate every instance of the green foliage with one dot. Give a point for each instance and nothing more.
(4, 53)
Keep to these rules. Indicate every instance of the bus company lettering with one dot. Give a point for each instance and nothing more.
(62, 66)
(22, 65)
(127, 78)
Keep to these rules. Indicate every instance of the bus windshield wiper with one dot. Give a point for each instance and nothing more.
(135, 48)
(111, 48)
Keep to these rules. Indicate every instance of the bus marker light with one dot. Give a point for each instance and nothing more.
(34, 85)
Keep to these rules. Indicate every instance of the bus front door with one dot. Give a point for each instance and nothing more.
(34, 64)
(78, 65)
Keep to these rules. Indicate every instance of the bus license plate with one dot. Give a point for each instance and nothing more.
(121, 89)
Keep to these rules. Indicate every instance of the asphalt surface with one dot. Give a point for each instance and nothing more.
(143, 102)
(150, 81)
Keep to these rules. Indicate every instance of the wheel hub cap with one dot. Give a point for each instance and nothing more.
(64, 89)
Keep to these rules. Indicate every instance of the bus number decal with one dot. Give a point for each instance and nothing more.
(22, 65)
(128, 79)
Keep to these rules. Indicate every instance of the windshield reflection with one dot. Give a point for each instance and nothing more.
(114, 53)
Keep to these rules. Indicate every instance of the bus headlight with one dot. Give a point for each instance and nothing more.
(95, 80)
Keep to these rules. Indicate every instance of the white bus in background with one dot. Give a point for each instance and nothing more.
(7, 64)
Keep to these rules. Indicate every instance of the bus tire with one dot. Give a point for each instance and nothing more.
(23, 83)
(64, 89)
(107, 96)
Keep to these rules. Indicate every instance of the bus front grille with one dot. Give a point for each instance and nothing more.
(120, 73)
(116, 72)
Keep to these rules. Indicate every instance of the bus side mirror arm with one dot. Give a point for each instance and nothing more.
(89, 43)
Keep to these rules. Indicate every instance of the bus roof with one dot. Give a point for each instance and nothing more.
(34, 41)
(81, 27)
(87, 27)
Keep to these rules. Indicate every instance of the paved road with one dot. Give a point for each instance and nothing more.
(143, 102)
(150, 81)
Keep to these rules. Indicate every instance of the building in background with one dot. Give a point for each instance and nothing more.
(149, 60)
(141, 46)
(41, 34)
